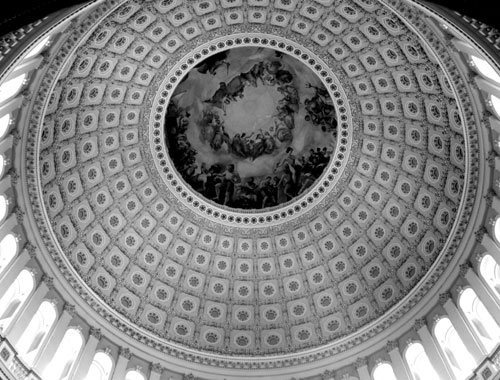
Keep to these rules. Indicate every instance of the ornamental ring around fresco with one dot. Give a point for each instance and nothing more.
(250, 128)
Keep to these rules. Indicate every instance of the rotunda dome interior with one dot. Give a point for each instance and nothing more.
(390, 214)
(292, 187)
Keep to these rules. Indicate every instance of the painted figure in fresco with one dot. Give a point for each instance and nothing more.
(286, 114)
(287, 162)
(202, 177)
(219, 97)
(230, 91)
(267, 192)
(284, 77)
(269, 143)
(281, 130)
(320, 110)
(285, 186)
(235, 88)
(254, 73)
(269, 71)
(306, 181)
(290, 174)
(247, 144)
(220, 137)
(209, 120)
(248, 193)
(225, 187)
(237, 146)
(291, 96)
(212, 63)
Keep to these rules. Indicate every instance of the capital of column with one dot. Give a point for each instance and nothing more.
(464, 268)
(327, 375)
(419, 323)
(443, 297)
(31, 249)
(156, 367)
(69, 308)
(479, 234)
(125, 352)
(391, 345)
(361, 362)
(96, 333)
(49, 281)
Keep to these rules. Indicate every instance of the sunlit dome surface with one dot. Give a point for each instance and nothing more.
(4, 124)
(485, 69)
(2, 165)
(3, 207)
(11, 87)
(38, 47)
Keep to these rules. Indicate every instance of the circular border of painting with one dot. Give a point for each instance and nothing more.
(252, 218)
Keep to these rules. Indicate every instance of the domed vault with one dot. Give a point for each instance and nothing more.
(137, 227)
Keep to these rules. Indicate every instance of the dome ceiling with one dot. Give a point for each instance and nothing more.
(238, 132)
(225, 269)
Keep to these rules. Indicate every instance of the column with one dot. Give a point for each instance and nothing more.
(121, 365)
(482, 291)
(362, 368)
(85, 360)
(156, 371)
(432, 351)
(12, 271)
(491, 247)
(16, 329)
(49, 349)
(463, 329)
(398, 364)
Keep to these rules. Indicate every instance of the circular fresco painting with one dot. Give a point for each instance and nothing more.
(250, 128)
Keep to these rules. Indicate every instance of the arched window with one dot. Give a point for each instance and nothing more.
(485, 69)
(2, 166)
(15, 297)
(384, 371)
(490, 272)
(30, 342)
(8, 249)
(496, 225)
(495, 104)
(10, 88)
(4, 125)
(37, 48)
(460, 360)
(419, 364)
(3, 207)
(134, 375)
(65, 357)
(101, 367)
(481, 320)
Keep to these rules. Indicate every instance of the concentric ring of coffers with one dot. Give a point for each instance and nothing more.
(223, 289)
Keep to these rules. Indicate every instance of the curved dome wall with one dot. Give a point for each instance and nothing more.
(260, 188)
